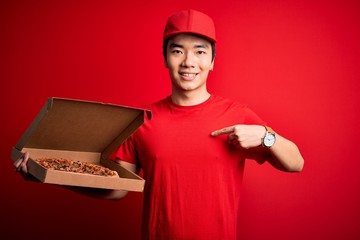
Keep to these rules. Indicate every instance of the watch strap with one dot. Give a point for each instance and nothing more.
(269, 129)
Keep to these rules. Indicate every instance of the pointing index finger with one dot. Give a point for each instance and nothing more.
(223, 131)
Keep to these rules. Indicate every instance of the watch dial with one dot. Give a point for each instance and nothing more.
(269, 140)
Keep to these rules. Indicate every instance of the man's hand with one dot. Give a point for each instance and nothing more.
(21, 164)
(244, 136)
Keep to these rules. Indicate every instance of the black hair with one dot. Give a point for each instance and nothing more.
(166, 41)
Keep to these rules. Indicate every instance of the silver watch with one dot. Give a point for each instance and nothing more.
(269, 139)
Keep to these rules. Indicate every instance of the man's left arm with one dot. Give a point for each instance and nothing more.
(285, 154)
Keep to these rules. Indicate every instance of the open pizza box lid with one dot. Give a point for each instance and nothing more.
(81, 131)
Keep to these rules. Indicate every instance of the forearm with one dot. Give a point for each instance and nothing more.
(287, 154)
(99, 193)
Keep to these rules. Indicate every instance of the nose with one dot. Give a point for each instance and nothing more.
(189, 60)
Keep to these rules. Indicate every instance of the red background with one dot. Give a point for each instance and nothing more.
(296, 63)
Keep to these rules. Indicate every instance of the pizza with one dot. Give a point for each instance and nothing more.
(67, 165)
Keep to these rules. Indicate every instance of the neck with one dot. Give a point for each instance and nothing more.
(189, 98)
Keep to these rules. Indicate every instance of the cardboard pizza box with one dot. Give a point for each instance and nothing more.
(82, 131)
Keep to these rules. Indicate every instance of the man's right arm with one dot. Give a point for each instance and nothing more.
(22, 167)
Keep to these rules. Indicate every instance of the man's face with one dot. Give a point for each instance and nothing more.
(189, 60)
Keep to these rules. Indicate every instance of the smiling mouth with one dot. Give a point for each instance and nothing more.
(189, 75)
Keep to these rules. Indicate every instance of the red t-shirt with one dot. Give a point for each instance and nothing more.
(192, 180)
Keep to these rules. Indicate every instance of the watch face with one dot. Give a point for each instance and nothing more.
(269, 140)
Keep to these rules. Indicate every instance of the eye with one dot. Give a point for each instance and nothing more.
(200, 52)
(176, 51)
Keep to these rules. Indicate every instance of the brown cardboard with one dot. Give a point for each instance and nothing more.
(83, 131)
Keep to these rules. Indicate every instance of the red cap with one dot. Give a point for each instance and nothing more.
(190, 21)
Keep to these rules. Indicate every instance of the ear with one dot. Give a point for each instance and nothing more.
(212, 65)
(165, 63)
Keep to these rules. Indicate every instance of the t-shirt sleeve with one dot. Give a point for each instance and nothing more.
(127, 152)
(253, 118)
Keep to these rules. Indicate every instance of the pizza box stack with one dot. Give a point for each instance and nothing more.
(81, 131)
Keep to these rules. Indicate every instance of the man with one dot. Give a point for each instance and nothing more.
(193, 151)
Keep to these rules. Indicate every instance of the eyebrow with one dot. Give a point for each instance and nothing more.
(176, 45)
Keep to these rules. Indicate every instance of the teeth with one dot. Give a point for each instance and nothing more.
(188, 74)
